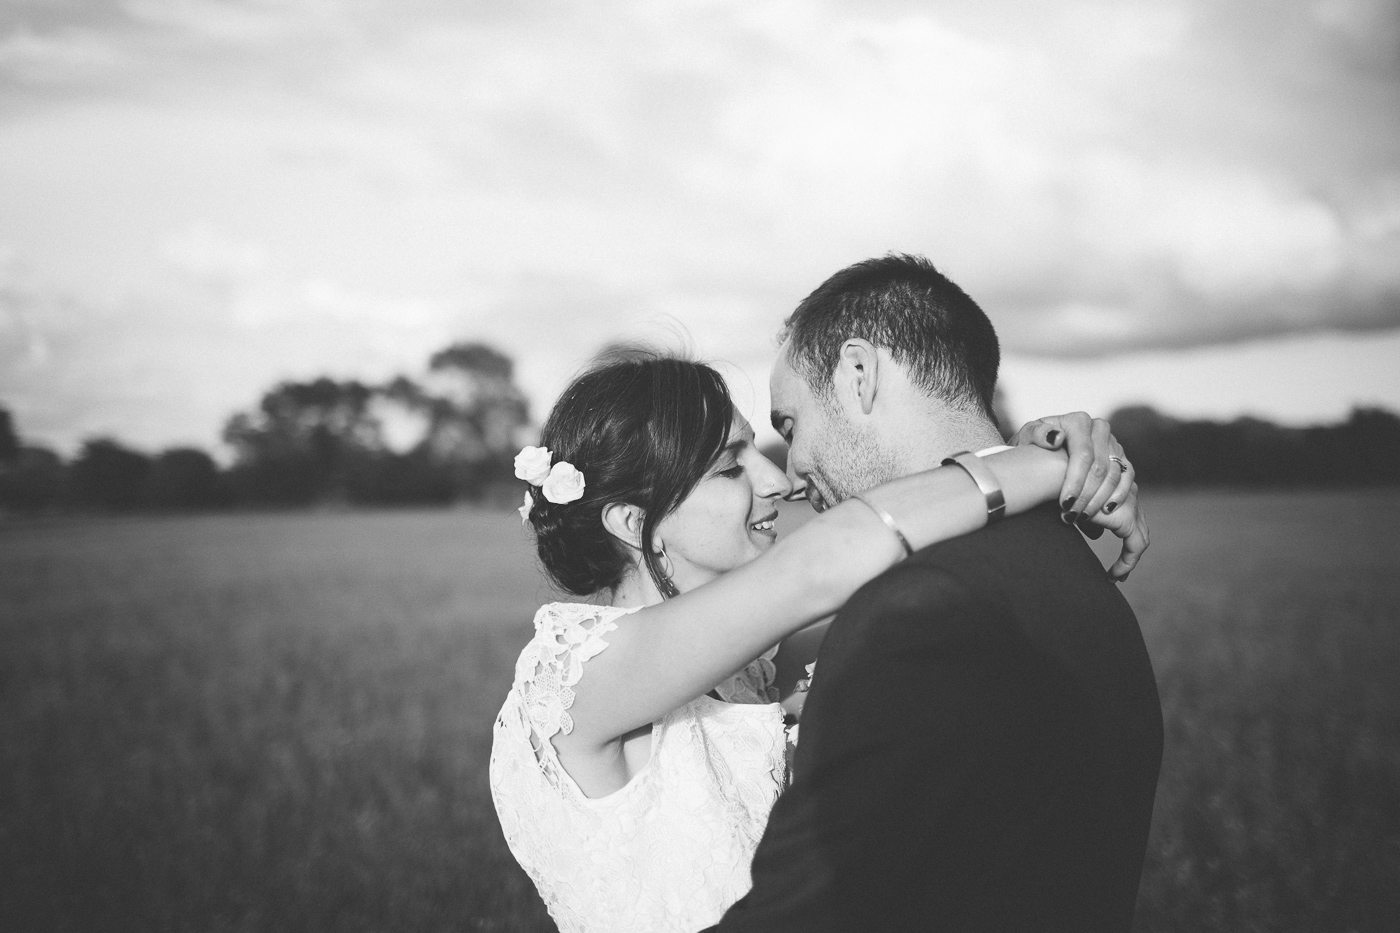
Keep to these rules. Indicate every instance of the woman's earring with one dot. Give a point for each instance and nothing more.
(663, 566)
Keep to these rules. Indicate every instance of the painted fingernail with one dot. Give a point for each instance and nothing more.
(1064, 506)
(1069, 518)
(1108, 509)
(1053, 437)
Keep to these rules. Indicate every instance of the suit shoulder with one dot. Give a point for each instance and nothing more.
(922, 596)
(1031, 537)
(914, 583)
(1033, 525)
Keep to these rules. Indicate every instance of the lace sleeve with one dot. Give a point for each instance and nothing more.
(753, 683)
(567, 635)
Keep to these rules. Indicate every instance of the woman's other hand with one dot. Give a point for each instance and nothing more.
(1099, 490)
(1128, 522)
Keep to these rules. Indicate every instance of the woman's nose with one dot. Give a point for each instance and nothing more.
(773, 482)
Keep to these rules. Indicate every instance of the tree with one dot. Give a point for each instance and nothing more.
(480, 410)
(183, 478)
(9, 440)
(1368, 444)
(32, 481)
(476, 415)
(1252, 452)
(329, 441)
(107, 475)
(307, 442)
(31, 478)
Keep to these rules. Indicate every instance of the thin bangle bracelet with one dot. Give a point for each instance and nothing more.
(888, 519)
(986, 482)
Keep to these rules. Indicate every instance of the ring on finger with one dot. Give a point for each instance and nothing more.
(1122, 464)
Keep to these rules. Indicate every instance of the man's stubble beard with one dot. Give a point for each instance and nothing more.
(851, 460)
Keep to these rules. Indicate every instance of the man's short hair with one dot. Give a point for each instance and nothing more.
(903, 304)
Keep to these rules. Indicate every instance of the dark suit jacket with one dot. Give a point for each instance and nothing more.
(979, 750)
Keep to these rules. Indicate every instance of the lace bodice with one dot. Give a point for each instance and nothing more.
(671, 849)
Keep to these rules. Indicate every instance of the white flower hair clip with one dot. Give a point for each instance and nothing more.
(560, 483)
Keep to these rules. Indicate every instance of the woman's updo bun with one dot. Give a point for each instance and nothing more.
(642, 428)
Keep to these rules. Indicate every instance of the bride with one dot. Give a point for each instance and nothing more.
(641, 746)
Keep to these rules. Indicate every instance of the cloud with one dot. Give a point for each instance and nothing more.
(368, 179)
(1174, 258)
(167, 360)
(1296, 380)
(237, 23)
(46, 59)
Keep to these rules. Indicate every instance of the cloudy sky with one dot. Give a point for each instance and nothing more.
(1194, 204)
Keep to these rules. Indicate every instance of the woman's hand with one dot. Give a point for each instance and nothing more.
(1099, 472)
(1128, 522)
(1099, 489)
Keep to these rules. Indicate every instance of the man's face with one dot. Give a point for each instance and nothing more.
(829, 451)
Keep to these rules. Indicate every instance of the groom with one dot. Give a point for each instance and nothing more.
(980, 746)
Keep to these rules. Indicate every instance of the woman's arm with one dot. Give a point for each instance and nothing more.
(668, 654)
(1124, 519)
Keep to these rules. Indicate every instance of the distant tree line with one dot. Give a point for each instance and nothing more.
(1363, 450)
(449, 436)
(452, 435)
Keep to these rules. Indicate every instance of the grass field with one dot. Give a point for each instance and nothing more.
(281, 722)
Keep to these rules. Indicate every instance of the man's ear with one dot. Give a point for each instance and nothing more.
(858, 370)
(624, 522)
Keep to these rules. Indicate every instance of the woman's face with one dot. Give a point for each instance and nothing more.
(728, 518)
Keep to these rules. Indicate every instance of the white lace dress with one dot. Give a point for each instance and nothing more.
(670, 851)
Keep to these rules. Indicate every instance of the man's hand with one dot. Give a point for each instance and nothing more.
(1099, 489)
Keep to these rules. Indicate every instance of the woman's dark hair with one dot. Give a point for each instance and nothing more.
(642, 428)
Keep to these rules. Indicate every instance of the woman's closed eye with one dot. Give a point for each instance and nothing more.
(733, 472)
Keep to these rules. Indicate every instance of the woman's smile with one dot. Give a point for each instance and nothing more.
(766, 526)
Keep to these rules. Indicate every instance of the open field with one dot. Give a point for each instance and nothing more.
(281, 722)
